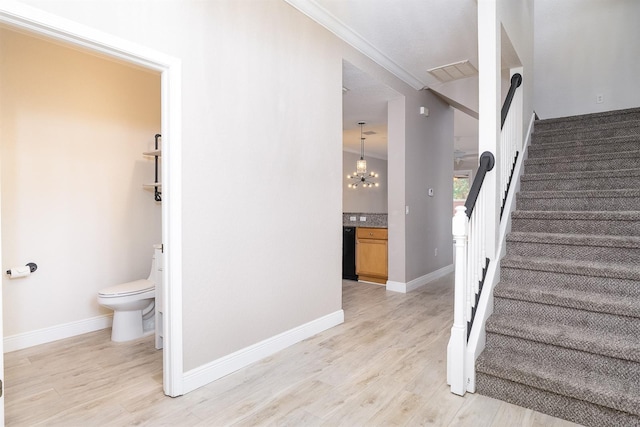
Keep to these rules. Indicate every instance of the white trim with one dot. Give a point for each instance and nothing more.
(42, 23)
(420, 281)
(323, 17)
(477, 336)
(172, 229)
(216, 369)
(57, 332)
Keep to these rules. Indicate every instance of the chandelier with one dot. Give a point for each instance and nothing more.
(360, 176)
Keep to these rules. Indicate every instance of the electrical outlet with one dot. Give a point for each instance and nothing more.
(363, 218)
(599, 98)
(352, 218)
(436, 251)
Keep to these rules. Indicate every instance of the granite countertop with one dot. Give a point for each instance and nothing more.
(362, 224)
(371, 220)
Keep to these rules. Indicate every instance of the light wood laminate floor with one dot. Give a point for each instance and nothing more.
(386, 365)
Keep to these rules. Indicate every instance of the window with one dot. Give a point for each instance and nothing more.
(461, 187)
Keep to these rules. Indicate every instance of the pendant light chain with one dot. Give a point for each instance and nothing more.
(360, 176)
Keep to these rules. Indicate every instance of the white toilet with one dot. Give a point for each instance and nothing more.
(133, 306)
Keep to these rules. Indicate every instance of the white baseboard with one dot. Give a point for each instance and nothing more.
(203, 375)
(58, 332)
(420, 281)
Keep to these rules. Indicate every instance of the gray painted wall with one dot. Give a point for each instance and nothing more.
(428, 164)
(251, 135)
(251, 269)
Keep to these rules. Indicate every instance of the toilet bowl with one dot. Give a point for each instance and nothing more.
(133, 305)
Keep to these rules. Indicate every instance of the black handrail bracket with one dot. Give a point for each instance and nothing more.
(487, 162)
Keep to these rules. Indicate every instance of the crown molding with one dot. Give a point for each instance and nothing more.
(319, 14)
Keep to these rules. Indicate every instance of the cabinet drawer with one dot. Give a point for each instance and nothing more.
(372, 233)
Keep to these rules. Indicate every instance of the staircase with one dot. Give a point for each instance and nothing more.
(564, 336)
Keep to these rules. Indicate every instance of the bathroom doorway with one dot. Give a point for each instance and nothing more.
(167, 69)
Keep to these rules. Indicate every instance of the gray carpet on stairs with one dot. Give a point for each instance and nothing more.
(564, 336)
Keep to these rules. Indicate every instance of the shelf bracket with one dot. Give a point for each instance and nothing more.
(157, 194)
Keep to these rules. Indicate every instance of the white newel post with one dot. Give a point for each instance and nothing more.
(456, 349)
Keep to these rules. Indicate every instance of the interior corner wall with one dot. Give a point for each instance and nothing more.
(429, 165)
(262, 162)
(74, 127)
(368, 200)
(571, 71)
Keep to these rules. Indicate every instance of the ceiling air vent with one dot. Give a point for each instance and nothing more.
(455, 71)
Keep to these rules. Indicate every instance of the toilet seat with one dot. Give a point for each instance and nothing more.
(125, 289)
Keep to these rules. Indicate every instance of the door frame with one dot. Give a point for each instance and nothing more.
(35, 21)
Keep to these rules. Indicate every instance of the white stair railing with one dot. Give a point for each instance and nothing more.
(470, 237)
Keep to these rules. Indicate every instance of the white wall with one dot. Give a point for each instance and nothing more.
(371, 200)
(517, 21)
(585, 48)
(73, 130)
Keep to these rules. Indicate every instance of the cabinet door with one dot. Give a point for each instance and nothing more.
(371, 257)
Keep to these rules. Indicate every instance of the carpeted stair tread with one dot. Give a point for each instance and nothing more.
(570, 281)
(567, 380)
(569, 200)
(629, 242)
(583, 162)
(578, 121)
(617, 345)
(597, 248)
(557, 405)
(598, 323)
(577, 267)
(592, 116)
(619, 173)
(584, 146)
(604, 302)
(581, 180)
(578, 215)
(571, 194)
(625, 223)
(538, 133)
(618, 155)
(559, 356)
(604, 130)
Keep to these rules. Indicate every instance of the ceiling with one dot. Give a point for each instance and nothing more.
(364, 100)
(417, 35)
(407, 37)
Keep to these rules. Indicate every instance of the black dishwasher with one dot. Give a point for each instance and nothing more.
(349, 253)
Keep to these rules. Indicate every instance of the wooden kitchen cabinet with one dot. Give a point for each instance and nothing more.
(371, 254)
